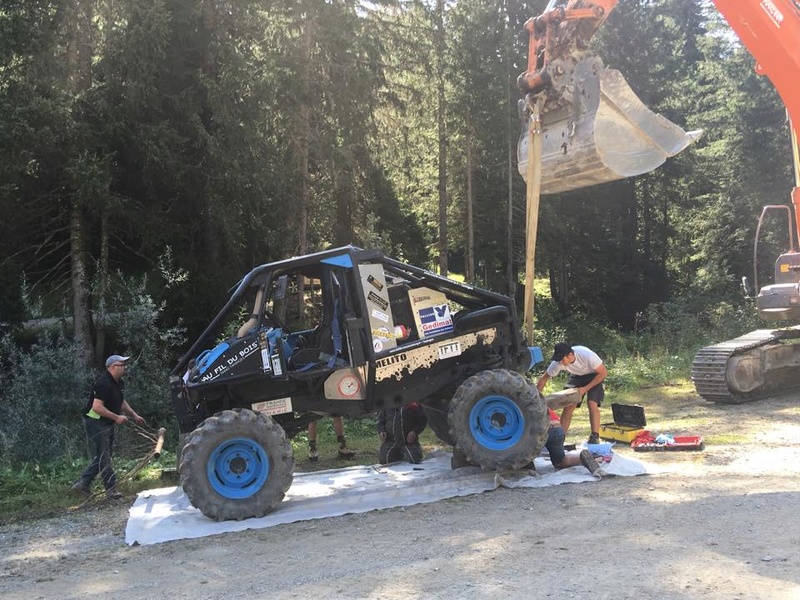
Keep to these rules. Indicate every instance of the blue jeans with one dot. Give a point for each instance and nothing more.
(555, 445)
(100, 434)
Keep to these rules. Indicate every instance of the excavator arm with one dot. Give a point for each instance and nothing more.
(583, 125)
(770, 30)
(594, 128)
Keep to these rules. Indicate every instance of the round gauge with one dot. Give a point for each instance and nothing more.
(349, 385)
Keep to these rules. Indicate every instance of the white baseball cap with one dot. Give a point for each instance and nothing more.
(115, 358)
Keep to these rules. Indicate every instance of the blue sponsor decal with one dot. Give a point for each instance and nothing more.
(435, 319)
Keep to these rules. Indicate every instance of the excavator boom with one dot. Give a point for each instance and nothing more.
(770, 30)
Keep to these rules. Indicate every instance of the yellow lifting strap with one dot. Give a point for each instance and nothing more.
(533, 192)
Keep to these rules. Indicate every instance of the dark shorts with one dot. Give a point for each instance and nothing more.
(596, 394)
(555, 445)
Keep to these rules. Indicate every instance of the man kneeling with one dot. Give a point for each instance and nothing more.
(399, 431)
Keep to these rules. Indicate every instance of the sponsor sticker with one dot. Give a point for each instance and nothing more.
(276, 365)
(449, 350)
(377, 344)
(374, 283)
(377, 300)
(381, 316)
(273, 407)
(265, 364)
(391, 360)
(383, 333)
(436, 319)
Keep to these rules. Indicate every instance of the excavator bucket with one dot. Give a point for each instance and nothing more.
(600, 131)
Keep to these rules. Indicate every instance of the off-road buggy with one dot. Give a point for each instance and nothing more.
(347, 332)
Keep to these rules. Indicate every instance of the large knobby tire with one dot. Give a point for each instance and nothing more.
(498, 420)
(236, 465)
(436, 411)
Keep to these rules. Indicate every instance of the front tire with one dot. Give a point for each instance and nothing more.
(236, 465)
(498, 420)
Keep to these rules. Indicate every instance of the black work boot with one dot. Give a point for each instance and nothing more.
(344, 451)
(313, 455)
(81, 487)
(588, 461)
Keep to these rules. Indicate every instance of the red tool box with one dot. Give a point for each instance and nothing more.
(646, 442)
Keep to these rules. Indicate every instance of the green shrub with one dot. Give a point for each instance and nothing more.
(135, 320)
(579, 330)
(658, 368)
(43, 389)
(42, 395)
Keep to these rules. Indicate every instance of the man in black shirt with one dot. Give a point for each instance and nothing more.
(104, 409)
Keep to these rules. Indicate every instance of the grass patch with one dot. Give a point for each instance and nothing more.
(31, 491)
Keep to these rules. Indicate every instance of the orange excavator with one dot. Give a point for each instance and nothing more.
(583, 125)
(764, 361)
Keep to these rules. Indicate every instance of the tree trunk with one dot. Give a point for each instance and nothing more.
(559, 284)
(305, 149)
(101, 302)
(470, 262)
(342, 194)
(79, 76)
(81, 313)
(511, 145)
(442, 133)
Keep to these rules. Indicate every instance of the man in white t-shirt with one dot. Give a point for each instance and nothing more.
(587, 373)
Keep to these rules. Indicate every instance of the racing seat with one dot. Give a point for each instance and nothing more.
(324, 343)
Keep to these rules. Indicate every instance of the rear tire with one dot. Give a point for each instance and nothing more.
(499, 420)
(236, 465)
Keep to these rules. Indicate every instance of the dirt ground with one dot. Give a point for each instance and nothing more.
(721, 523)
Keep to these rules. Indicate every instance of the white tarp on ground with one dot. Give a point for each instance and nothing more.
(165, 514)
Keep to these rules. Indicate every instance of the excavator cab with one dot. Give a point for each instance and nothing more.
(763, 361)
(780, 300)
(594, 127)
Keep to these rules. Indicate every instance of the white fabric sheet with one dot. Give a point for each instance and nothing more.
(165, 514)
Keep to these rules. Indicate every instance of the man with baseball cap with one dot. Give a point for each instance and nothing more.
(105, 408)
(587, 373)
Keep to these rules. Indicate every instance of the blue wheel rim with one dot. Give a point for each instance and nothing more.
(238, 468)
(496, 422)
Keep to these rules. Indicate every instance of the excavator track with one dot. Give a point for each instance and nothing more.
(710, 364)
